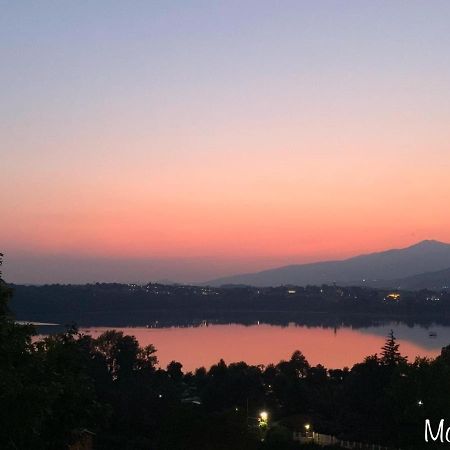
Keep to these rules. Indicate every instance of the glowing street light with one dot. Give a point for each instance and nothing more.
(307, 426)
(263, 419)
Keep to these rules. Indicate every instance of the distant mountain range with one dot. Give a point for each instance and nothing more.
(430, 280)
(423, 265)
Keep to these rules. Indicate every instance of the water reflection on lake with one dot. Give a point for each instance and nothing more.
(263, 343)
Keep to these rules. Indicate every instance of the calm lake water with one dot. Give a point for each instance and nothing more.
(263, 344)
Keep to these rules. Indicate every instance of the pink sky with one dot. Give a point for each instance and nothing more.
(214, 140)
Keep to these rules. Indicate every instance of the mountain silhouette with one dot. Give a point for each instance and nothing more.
(438, 280)
(423, 257)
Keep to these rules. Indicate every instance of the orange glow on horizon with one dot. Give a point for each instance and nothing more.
(249, 135)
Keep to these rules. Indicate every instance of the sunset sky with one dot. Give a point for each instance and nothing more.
(187, 140)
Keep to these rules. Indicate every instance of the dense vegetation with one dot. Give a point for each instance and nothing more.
(123, 304)
(53, 389)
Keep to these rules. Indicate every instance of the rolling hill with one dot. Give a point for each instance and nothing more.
(435, 281)
(396, 264)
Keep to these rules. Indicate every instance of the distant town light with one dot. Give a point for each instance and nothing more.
(393, 296)
(307, 426)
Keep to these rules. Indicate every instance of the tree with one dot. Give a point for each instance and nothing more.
(46, 393)
(5, 293)
(445, 355)
(299, 363)
(174, 370)
(123, 355)
(390, 355)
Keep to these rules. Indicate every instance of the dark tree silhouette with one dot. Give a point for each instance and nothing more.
(174, 370)
(390, 355)
(5, 293)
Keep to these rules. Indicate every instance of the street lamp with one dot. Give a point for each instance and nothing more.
(263, 420)
(263, 424)
(308, 430)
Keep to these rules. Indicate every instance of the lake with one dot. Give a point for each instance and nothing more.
(334, 347)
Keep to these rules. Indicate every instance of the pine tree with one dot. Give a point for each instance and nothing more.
(390, 355)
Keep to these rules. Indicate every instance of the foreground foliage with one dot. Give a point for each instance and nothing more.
(54, 388)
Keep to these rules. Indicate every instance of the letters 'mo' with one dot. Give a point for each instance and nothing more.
(440, 435)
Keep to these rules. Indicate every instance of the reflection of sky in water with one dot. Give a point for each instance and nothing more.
(264, 344)
(416, 334)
